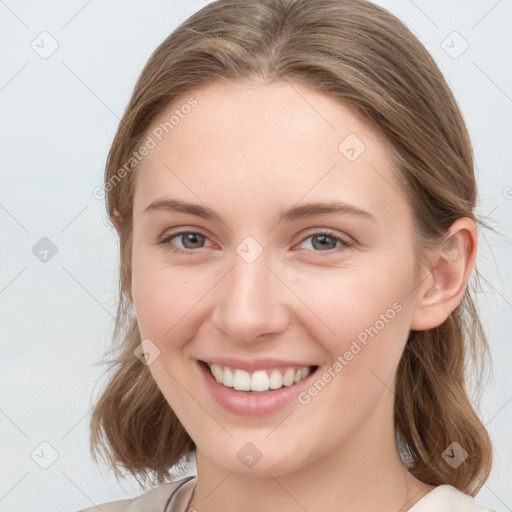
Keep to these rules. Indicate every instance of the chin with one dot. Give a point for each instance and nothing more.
(253, 462)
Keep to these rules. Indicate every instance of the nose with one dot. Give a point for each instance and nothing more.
(251, 301)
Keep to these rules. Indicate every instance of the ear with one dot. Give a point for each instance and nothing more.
(442, 291)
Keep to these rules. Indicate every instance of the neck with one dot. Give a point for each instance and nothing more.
(362, 473)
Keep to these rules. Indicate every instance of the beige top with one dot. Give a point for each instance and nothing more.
(175, 496)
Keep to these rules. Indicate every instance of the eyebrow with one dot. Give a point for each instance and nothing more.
(294, 213)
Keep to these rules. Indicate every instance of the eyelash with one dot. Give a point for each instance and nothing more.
(192, 252)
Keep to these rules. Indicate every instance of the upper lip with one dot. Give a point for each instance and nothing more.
(254, 365)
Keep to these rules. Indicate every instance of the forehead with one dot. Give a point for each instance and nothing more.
(259, 144)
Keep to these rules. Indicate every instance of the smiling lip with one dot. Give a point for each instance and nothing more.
(249, 403)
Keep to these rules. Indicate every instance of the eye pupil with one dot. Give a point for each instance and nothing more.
(324, 238)
(194, 238)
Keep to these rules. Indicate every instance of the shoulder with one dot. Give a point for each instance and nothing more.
(156, 499)
(446, 498)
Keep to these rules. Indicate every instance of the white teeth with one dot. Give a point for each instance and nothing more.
(261, 380)
(288, 377)
(217, 373)
(276, 380)
(227, 378)
(241, 380)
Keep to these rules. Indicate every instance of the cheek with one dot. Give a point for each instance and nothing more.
(166, 299)
(345, 304)
(369, 320)
(362, 320)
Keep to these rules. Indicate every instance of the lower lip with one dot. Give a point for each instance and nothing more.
(248, 404)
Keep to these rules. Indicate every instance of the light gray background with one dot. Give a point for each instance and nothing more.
(58, 116)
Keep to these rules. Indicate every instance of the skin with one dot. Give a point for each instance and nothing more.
(249, 151)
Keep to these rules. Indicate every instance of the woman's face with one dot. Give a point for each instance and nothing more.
(271, 279)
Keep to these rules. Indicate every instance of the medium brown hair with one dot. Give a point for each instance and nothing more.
(366, 58)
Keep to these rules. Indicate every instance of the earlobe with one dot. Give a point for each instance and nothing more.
(445, 287)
